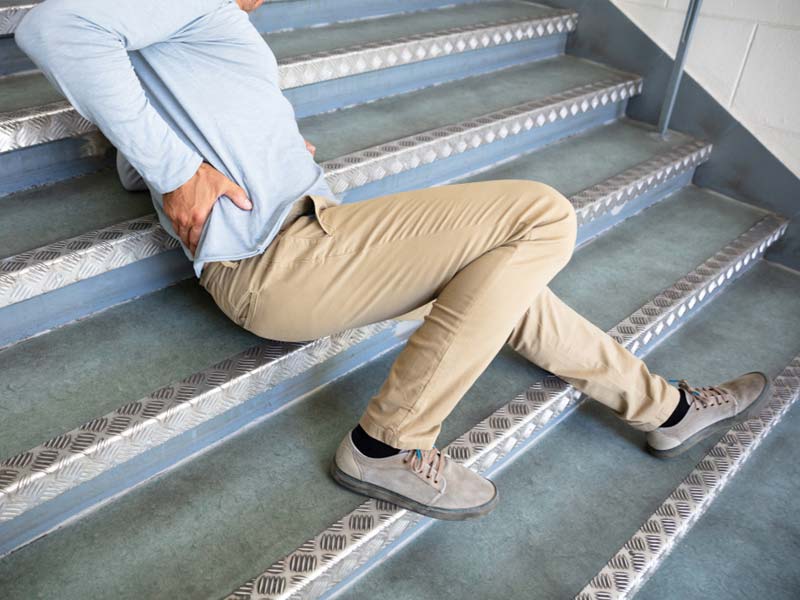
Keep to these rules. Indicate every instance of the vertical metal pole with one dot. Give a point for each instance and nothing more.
(677, 70)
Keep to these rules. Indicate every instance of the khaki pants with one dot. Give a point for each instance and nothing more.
(474, 259)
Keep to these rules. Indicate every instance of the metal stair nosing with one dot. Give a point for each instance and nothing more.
(58, 120)
(32, 479)
(645, 551)
(10, 16)
(88, 258)
(325, 81)
(342, 553)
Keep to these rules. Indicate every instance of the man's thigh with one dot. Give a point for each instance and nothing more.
(368, 261)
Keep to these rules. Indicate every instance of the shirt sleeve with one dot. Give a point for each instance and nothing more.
(82, 48)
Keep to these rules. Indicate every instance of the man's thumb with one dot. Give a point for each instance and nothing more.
(238, 196)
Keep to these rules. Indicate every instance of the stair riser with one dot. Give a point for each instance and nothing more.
(12, 59)
(510, 430)
(46, 517)
(48, 311)
(53, 161)
(605, 222)
(337, 93)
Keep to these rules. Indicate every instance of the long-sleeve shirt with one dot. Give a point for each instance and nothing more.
(172, 83)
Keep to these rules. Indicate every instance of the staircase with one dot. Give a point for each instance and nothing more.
(149, 448)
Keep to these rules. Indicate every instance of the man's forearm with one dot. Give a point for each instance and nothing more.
(81, 46)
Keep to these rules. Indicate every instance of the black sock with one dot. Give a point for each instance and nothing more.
(679, 412)
(369, 446)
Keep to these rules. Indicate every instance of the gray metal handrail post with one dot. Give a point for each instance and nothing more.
(677, 70)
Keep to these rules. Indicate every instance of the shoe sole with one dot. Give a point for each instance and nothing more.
(724, 424)
(381, 493)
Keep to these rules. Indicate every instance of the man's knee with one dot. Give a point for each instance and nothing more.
(556, 211)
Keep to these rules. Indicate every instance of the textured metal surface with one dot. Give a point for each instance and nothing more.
(612, 195)
(40, 124)
(36, 125)
(339, 551)
(643, 553)
(40, 474)
(377, 162)
(65, 262)
(10, 16)
(373, 56)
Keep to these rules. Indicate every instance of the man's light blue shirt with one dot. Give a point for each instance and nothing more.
(171, 84)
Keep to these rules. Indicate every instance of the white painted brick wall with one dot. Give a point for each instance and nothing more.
(746, 53)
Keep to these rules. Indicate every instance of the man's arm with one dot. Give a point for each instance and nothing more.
(82, 45)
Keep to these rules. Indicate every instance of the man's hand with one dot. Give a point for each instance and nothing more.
(249, 5)
(188, 207)
(311, 148)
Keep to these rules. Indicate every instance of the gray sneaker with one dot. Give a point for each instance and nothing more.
(711, 409)
(424, 481)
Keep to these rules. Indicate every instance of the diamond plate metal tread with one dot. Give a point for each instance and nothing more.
(343, 62)
(58, 120)
(65, 262)
(636, 561)
(337, 553)
(10, 16)
(64, 462)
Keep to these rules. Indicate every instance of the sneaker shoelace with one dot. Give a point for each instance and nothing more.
(429, 463)
(703, 397)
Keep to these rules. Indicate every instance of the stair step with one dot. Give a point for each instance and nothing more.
(33, 112)
(256, 370)
(769, 481)
(571, 502)
(300, 441)
(374, 157)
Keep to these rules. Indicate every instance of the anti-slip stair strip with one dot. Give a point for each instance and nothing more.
(338, 553)
(384, 160)
(58, 120)
(639, 558)
(10, 16)
(64, 462)
(57, 265)
(373, 56)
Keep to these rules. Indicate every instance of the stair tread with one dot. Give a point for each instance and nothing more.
(114, 357)
(366, 125)
(569, 503)
(230, 488)
(286, 44)
(770, 480)
(44, 215)
(32, 89)
(573, 164)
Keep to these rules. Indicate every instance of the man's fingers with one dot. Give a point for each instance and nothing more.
(311, 147)
(237, 196)
(194, 237)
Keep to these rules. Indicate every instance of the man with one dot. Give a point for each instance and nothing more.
(188, 92)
